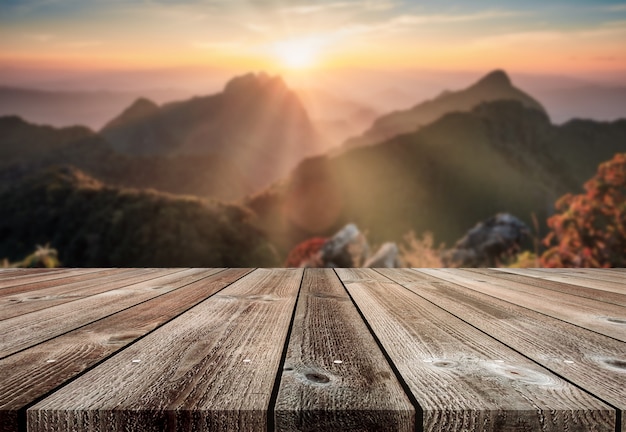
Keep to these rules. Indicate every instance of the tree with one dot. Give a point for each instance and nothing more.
(589, 229)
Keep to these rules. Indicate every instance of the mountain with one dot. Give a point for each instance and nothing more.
(66, 108)
(26, 148)
(494, 86)
(502, 156)
(95, 225)
(257, 123)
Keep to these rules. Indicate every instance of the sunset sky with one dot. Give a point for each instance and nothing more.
(530, 36)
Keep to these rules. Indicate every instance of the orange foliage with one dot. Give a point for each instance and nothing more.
(306, 253)
(590, 228)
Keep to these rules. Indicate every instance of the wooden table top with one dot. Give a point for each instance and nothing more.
(314, 349)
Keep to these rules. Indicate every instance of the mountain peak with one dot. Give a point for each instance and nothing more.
(496, 78)
(255, 82)
(144, 102)
(142, 107)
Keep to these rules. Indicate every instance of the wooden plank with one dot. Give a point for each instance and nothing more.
(463, 379)
(212, 368)
(591, 361)
(29, 301)
(30, 329)
(604, 318)
(570, 279)
(589, 273)
(42, 276)
(50, 283)
(335, 377)
(13, 271)
(31, 374)
(577, 290)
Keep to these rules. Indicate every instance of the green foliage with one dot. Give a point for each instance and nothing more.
(590, 228)
(94, 225)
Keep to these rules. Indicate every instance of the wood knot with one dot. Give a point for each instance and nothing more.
(317, 377)
(616, 320)
(616, 363)
(122, 338)
(521, 374)
(445, 363)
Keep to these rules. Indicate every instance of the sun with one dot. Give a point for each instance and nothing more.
(298, 53)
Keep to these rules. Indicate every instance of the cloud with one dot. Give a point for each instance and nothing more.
(408, 21)
(314, 8)
(453, 18)
(258, 28)
(615, 8)
(368, 5)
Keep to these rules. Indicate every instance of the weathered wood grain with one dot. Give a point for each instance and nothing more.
(212, 368)
(463, 379)
(335, 377)
(592, 361)
(22, 299)
(30, 374)
(604, 318)
(17, 271)
(50, 283)
(570, 279)
(30, 329)
(561, 287)
(20, 279)
(589, 273)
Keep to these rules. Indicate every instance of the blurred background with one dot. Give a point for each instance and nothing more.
(378, 133)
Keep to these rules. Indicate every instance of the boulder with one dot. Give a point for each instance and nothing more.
(488, 243)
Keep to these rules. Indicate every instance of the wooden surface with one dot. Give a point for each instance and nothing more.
(314, 349)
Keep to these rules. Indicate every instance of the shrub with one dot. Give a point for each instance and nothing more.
(589, 229)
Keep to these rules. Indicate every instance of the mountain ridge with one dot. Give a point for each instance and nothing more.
(444, 177)
(495, 85)
(256, 122)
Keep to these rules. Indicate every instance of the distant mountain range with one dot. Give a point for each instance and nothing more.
(257, 123)
(223, 146)
(65, 108)
(494, 86)
(26, 149)
(444, 177)
(591, 102)
(440, 166)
